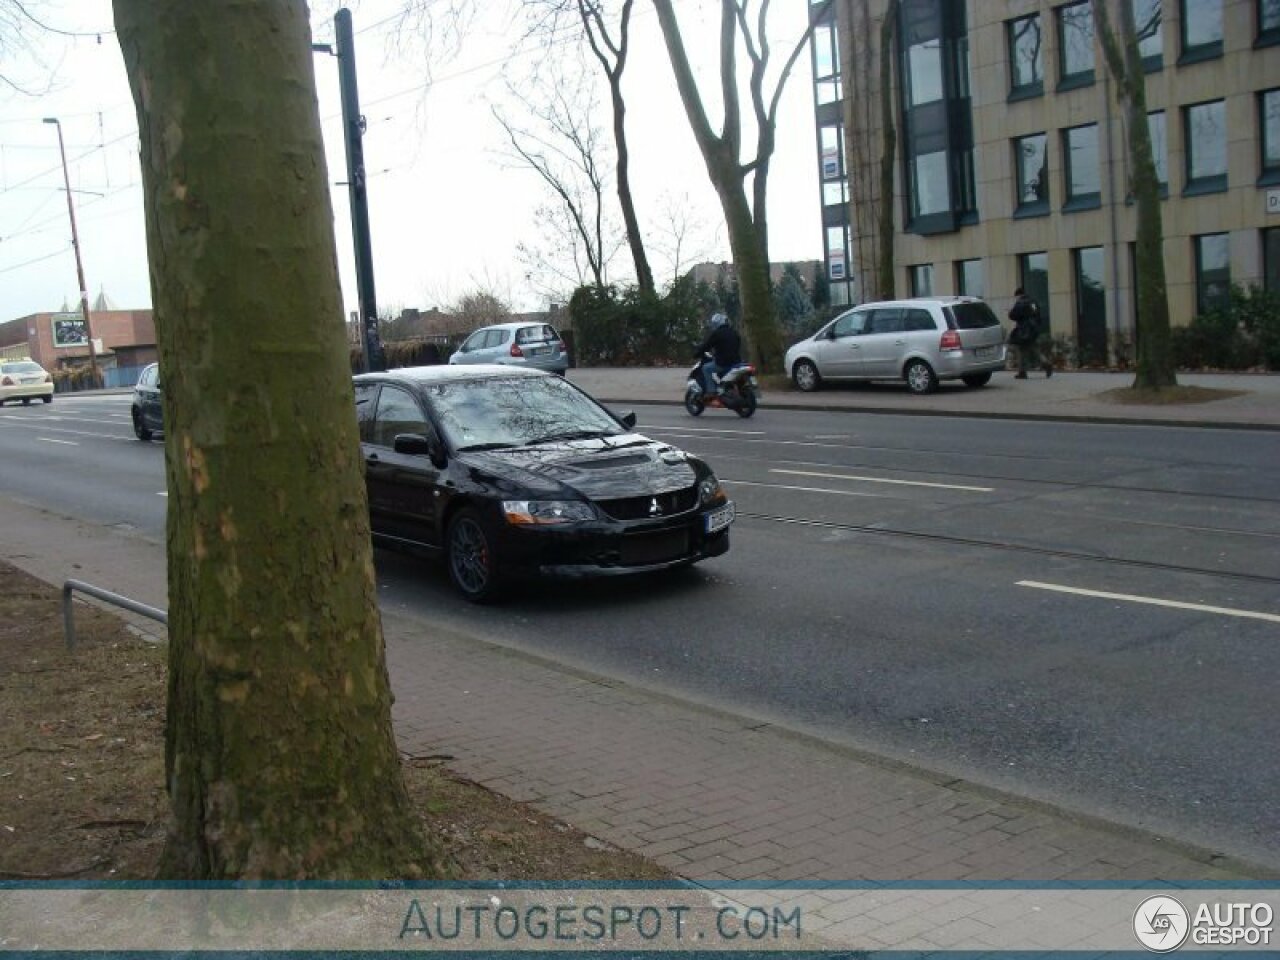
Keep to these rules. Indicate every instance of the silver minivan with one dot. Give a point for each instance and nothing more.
(515, 344)
(921, 341)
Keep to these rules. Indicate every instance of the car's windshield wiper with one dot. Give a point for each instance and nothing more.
(496, 445)
(570, 435)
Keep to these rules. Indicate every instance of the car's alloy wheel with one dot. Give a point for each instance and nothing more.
(139, 428)
(805, 375)
(920, 377)
(470, 557)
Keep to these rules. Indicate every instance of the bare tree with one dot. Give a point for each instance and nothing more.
(746, 219)
(563, 147)
(20, 22)
(610, 51)
(1155, 362)
(279, 751)
(681, 237)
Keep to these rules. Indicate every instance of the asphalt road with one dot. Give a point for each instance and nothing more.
(1084, 614)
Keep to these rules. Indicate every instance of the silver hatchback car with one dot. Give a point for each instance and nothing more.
(921, 341)
(516, 344)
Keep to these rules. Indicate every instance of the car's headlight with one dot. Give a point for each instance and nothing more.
(710, 492)
(547, 511)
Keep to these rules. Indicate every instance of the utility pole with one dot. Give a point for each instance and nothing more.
(75, 243)
(353, 125)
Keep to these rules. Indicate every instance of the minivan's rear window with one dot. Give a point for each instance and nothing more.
(535, 334)
(973, 316)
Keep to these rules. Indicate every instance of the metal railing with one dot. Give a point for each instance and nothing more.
(68, 619)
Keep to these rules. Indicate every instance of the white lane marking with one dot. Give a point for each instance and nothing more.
(656, 428)
(87, 433)
(163, 493)
(907, 483)
(1152, 601)
(783, 486)
(831, 436)
(69, 443)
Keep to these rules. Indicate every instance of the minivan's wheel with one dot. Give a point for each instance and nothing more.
(693, 402)
(470, 557)
(139, 428)
(976, 379)
(920, 377)
(806, 376)
(748, 406)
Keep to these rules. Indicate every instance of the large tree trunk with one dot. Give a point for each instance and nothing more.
(1155, 367)
(280, 756)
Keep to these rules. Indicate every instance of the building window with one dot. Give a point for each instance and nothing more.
(1033, 277)
(970, 279)
(1159, 148)
(922, 280)
(1147, 21)
(835, 185)
(1271, 260)
(1031, 156)
(1213, 271)
(837, 253)
(924, 63)
(930, 193)
(1075, 45)
(1026, 57)
(1269, 125)
(1091, 306)
(1201, 30)
(1268, 22)
(1205, 132)
(1080, 165)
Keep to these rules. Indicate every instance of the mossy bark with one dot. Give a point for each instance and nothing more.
(280, 756)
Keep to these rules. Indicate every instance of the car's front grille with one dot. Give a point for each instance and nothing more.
(654, 505)
(641, 549)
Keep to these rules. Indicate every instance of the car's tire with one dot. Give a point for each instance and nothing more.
(469, 555)
(26, 401)
(805, 376)
(48, 399)
(748, 405)
(693, 402)
(139, 428)
(920, 377)
(976, 379)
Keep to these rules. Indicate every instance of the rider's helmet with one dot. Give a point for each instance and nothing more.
(718, 319)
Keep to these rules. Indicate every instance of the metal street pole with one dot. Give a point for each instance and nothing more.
(353, 128)
(75, 243)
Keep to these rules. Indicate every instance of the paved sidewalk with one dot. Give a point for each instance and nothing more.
(711, 796)
(1068, 395)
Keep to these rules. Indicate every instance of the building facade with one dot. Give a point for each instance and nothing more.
(58, 341)
(1011, 165)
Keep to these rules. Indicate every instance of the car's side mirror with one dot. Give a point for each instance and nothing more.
(627, 418)
(415, 444)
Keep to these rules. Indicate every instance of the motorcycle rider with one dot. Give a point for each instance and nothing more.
(725, 347)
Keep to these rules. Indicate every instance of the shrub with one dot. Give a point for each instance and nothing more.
(1240, 334)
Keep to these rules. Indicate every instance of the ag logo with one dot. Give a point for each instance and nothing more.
(1161, 924)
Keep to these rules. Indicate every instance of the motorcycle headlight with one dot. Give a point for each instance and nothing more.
(547, 511)
(710, 492)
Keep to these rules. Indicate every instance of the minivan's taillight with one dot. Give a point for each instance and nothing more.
(950, 341)
(516, 351)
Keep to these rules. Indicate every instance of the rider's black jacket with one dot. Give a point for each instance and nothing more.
(724, 344)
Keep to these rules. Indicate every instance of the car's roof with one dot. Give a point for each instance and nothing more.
(513, 325)
(450, 374)
(919, 301)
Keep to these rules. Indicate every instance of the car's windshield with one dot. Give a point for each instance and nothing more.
(22, 367)
(516, 411)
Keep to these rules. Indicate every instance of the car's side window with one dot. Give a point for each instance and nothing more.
(398, 412)
(497, 338)
(366, 399)
(473, 342)
(885, 321)
(916, 319)
(851, 324)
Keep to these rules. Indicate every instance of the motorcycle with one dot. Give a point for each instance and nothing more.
(739, 391)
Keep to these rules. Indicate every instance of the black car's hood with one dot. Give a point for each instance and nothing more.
(600, 469)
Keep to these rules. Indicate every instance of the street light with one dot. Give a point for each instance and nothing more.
(75, 243)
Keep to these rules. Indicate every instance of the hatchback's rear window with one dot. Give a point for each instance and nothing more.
(973, 316)
(535, 334)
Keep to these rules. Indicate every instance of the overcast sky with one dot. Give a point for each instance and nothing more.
(448, 206)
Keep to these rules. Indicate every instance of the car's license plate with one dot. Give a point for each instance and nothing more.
(539, 351)
(985, 353)
(719, 518)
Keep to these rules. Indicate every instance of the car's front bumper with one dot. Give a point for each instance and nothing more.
(613, 548)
